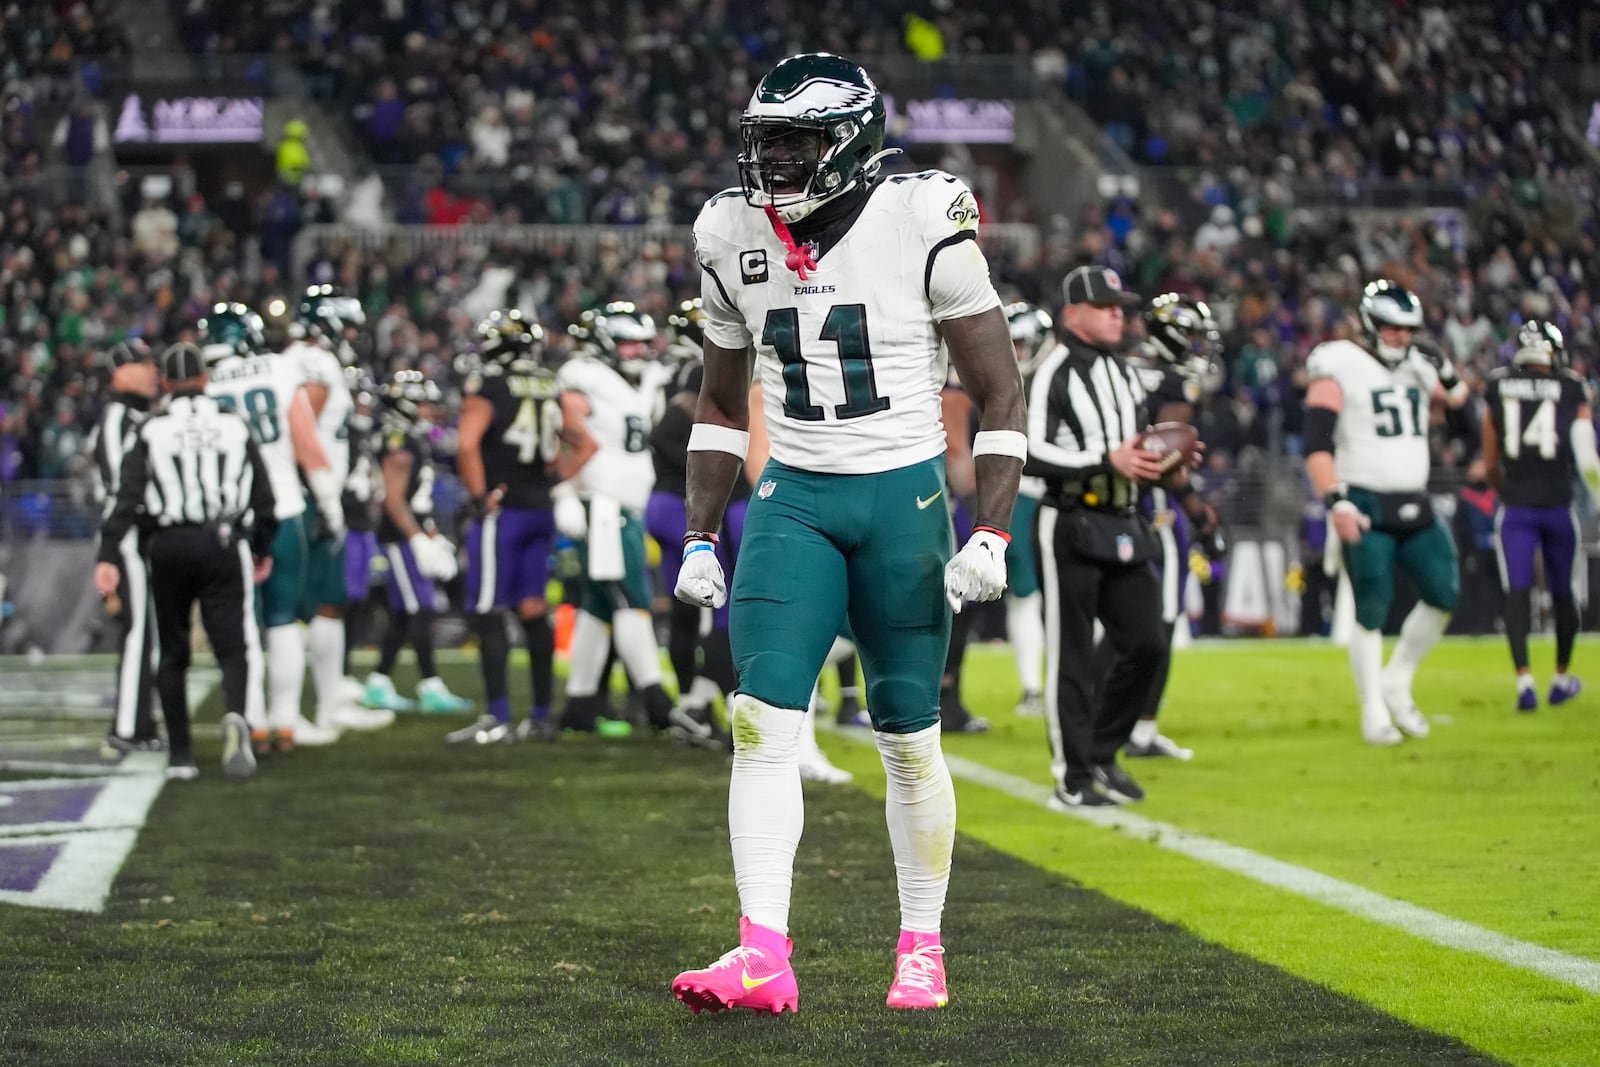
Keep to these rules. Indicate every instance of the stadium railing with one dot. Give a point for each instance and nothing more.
(411, 241)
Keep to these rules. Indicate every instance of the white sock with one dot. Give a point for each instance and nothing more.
(1025, 627)
(703, 691)
(1418, 634)
(635, 637)
(841, 649)
(1144, 732)
(921, 809)
(1366, 663)
(766, 809)
(1525, 681)
(325, 649)
(1560, 679)
(286, 673)
(591, 642)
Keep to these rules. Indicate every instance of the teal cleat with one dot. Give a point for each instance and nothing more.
(380, 693)
(434, 699)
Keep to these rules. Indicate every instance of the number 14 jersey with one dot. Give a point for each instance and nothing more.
(849, 360)
(1533, 412)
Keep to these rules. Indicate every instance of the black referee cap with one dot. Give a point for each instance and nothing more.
(1096, 285)
(132, 350)
(182, 363)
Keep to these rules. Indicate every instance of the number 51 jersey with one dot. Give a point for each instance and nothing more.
(849, 360)
(1381, 439)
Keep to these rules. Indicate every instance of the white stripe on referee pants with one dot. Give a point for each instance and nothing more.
(135, 665)
(1050, 586)
(255, 670)
(402, 578)
(488, 561)
(1169, 573)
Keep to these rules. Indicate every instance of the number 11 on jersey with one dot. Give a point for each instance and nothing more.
(846, 327)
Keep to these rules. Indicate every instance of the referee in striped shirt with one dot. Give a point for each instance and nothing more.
(195, 483)
(134, 385)
(1093, 548)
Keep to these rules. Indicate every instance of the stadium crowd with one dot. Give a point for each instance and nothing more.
(618, 119)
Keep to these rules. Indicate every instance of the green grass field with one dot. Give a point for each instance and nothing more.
(388, 900)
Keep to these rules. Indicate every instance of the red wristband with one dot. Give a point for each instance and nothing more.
(701, 535)
(998, 533)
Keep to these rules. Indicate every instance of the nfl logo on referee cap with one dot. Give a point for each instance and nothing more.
(1124, 548)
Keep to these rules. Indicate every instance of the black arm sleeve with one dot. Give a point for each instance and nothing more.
(1320, 423)
(130, 497)
(263, 506)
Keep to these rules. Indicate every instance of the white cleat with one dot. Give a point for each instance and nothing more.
(306, 733)
(816, 767)
(1377, 727)
(351, 717)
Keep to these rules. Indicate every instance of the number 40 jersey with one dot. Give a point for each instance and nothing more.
(523, 438)
(1381, 439)
(1533, 412)
(261, 388)
(850, 361)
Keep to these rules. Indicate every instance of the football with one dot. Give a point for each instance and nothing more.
(1174, 444)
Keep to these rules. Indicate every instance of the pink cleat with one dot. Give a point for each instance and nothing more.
(756, 975)
(918, 973)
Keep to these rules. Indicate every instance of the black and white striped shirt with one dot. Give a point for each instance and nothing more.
(113, 436)
(193, 464)
(1083, 402)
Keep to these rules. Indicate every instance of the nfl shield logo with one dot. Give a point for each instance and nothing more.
(1124, 548)
(766, 489)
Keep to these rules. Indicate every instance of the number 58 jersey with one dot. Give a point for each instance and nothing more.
(261, 389)
(1381, 439)
(849, 360)
(1533, 412)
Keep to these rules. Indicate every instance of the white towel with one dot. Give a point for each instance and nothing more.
(606, 563)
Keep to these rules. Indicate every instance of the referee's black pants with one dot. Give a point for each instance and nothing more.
(189, 564)
(134, 718)
(1088, 726)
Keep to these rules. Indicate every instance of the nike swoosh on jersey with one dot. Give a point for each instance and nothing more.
(922, 505)
(756, 983)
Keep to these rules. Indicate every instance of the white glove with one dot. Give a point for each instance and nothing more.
(571, 519)
(436, 557)
(325, 490)
(978, 571)
(700, 579)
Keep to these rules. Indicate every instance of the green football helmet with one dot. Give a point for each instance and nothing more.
(813, 130)
(1384, 303)
(618, 334)
(231, 329)
(324, 311)
(1033, 333)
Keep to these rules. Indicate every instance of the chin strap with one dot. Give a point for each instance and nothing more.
(872, 164)
(801, 258)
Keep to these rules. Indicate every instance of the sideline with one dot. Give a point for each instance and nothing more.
(1430, 926)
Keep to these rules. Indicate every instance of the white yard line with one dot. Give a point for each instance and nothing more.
(1419, 922)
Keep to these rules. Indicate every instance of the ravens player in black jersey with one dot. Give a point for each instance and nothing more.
(510, 454)
(410, 541)
(1174, 362)
(1537, 431)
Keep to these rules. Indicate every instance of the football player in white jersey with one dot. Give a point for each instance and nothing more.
(610, 388)
(268, 391)
(1367, 415)
(848, 287)
(1033, 334)
(326, 321)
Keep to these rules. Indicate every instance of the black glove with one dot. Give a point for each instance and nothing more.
(1430, 351)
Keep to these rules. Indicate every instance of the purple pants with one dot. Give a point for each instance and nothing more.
(508, 558)
(1519, 532)
(667, 520)
(409, 590)
(360, 549)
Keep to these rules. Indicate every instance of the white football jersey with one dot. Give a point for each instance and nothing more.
(619, 419)
(849, 360)
(261, 388)
(1381, 440)
(320, 366)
